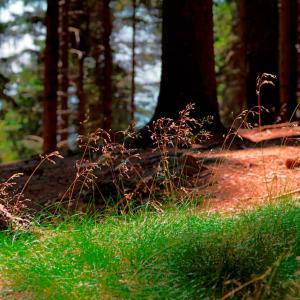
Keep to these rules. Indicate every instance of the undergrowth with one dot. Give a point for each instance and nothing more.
(136, 249)
(177, 254)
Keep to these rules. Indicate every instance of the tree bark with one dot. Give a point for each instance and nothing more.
(188, 74)
(106, 88)
(80, 44)
(288, 57)
(81, 97)
(133, 61)
(50, 78)
(64, 68)
(259, 21)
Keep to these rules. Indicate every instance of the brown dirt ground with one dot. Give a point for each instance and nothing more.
(254, 173)
(248, 177)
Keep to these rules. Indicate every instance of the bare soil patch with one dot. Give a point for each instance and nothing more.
(244, 178)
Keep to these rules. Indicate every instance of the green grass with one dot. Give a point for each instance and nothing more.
(174, 255)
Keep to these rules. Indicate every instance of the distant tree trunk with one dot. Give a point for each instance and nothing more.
(64, 68)
(259, 21)
(50, 78)
(80, 45)
(81, 97)
(101, 108)
(288, 57)
(188, 74)
(133, 61)
(233, 73)
(106, 88)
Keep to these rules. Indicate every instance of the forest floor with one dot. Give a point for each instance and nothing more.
(261, 167)
(148, 255)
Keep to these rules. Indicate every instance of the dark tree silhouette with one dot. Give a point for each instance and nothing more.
(50, 78)
(188, 74)
(288, 57)
(100, 111)
(106, 88)
(259, 30)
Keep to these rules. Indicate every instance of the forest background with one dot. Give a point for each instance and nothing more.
(110, 63)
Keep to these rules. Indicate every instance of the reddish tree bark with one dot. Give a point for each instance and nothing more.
(50, 78)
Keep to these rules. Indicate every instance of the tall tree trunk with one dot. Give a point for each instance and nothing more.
(259, 21)
(288, 57)
(133, 61)
(50, 78)
(106, 88)
(81, 97)
(64, 68)
(101, 108)
(80, 45)
(188, 74)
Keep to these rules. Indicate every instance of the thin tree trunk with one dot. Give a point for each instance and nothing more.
(288, 57)
(80, 19)
(50, 78)
(133, 62)
(81, 97)
(64, 68)
(107, 68)
(188, 74)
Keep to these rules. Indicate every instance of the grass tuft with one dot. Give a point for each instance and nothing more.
(178, 254)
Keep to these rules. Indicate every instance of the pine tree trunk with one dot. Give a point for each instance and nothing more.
(81, 97)
(64, 68)
(80, 43)
(260, 34)
(188, 74)
(106, 88)
(288, 57)
(101, 108)
(133, 61)
(50, 78)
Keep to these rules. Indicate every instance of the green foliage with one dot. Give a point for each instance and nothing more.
(179, 254)
(230, 63)
(7, 146)
(21, 92)
(22, 117)
(223, 20)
